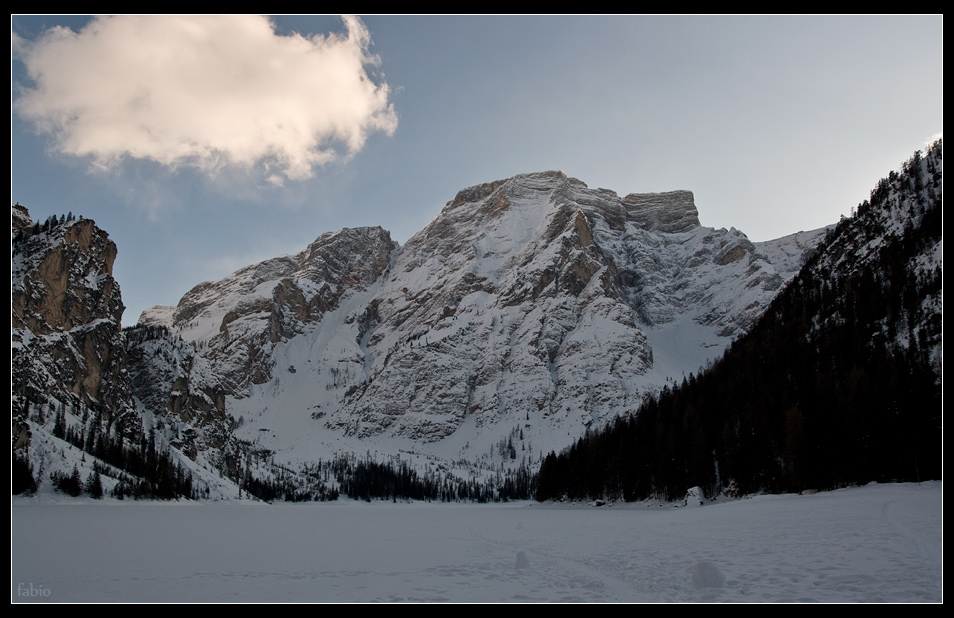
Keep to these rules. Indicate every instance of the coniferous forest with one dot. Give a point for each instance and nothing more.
(142, 467)
(838, 383)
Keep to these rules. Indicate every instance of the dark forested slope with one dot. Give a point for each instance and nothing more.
(839, 382)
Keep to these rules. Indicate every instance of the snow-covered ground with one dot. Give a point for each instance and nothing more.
(879, 543)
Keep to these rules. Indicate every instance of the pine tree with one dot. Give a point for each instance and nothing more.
(21, 477)
(94, 485)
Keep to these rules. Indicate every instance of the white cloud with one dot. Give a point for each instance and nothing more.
(205, 91)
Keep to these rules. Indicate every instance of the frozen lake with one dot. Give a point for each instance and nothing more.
(880, 543)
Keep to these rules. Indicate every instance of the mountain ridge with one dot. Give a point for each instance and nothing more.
(530, 310)
(565, 280)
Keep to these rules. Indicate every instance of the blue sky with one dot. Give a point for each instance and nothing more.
(202, 146)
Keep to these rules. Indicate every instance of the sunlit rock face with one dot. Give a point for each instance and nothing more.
(531, 300)
(67, 344)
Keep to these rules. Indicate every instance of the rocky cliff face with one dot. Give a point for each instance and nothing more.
(170, 380)
(238, 321)
(87, 394)
(532, 301)
(219, 342)
(66, 310)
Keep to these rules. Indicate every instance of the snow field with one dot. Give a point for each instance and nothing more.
(879, 543)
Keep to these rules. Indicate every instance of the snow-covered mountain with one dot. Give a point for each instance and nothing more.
(529, 310)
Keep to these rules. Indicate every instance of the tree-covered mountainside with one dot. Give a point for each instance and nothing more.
(839, 382)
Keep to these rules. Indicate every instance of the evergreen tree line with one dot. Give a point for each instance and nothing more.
(282, 484)
(72, 485)
(138, 334)
(272, 490)
(143, 469)
(52, 222)
(368, 480)
(836, 384)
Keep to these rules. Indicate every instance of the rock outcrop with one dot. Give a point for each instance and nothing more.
(240, 319)
(67, 346)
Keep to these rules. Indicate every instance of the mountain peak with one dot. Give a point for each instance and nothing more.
(668, 212)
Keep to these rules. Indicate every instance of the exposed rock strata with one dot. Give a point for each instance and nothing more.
(66, 309)
(527, 299)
